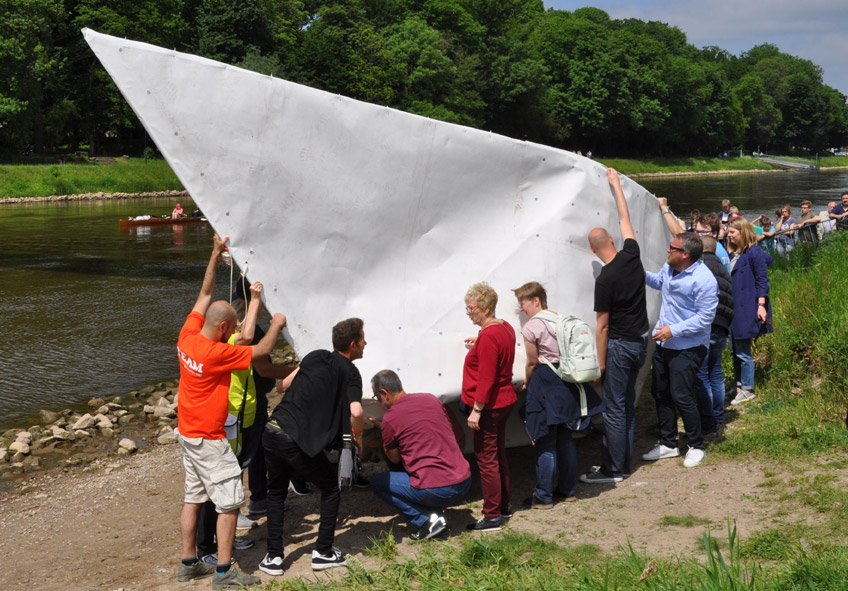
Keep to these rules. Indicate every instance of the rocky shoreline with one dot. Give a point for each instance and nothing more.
(68, 438)
(99, 196)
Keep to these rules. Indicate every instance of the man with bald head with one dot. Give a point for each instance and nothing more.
(621, 336)
(212, 470)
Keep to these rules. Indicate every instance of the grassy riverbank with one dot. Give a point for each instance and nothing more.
(796, 425)
(632, 167)
(132, 175)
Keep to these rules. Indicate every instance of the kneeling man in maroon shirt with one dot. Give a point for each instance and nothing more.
(417, 431)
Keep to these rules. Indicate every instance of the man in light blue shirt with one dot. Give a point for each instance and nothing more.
(682, 333)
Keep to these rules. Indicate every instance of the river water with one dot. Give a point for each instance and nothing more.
(91, 310)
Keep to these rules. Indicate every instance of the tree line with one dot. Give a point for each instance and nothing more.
(577, 80)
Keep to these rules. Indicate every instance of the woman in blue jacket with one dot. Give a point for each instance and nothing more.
(751, 306)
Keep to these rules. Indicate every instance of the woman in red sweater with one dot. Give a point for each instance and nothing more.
(487, 391)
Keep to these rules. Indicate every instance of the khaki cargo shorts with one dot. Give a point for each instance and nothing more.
(212, 473)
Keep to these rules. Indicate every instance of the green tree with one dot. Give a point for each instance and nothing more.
(28, 62)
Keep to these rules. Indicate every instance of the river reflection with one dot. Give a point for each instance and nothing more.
(753, 194)
(90, 310)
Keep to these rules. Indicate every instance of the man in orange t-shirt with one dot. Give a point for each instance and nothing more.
(212, 470)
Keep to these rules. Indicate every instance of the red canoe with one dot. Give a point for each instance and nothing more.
(159, 221)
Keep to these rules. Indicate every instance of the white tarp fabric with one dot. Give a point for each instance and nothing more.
(343, 208)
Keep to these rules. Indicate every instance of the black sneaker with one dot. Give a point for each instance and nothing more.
(324, 561)
(506, 511)
(258, 507)
(361, 482)
(598, 476)
(435, 528)
(272, 566)
(484, 524)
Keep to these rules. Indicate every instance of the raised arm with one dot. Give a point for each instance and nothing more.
(264, 347)
(621, 204)
(670, 219)
(208, 287)
(248, 327)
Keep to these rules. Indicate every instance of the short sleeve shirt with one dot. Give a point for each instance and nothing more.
(543, 334)
(620, 290)
(205, 368)
(311, 411)
(417, 426)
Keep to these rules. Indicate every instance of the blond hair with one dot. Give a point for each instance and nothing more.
(747, 235)
(483, 295)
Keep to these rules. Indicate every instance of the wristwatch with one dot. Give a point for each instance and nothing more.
(666, 210)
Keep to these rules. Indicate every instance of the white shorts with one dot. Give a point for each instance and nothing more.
(212, 473)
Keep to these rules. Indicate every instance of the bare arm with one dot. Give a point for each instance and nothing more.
(285, 383)
(248, 327)
(357, 424)
(393, 455)
(208, 287)
(263, 348)
(601, 337)
(673, 224)
(621, 204)
(532, 355)
(271, 370)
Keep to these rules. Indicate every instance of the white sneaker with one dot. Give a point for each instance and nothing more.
(661, 452)
(272, 566)
(694, 457)
(743, 396)
(244, 522)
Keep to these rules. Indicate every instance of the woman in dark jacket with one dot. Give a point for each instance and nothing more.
(552, 405)
(751, 307)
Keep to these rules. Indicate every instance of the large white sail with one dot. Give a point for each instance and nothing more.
(343, 208)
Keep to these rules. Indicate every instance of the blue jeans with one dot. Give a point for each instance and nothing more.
(555, 451)
(673, 387)
(710, 387)
(743, 363)
(416, 503)
(624, 359)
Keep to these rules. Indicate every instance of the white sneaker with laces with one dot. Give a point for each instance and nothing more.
(694, 457)
(661, 452)
(272, 566)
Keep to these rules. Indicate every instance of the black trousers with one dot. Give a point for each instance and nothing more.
(284, 458)
(675, 375)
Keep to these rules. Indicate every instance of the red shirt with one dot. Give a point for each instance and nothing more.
(487, 375)
(418, 426)
(205, 368)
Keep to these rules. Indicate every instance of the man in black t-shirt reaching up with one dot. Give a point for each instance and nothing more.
(621, 335)
(321, 394)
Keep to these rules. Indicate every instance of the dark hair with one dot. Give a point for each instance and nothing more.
(531, 290)
(712, 220)
(346, 332)
(386, 380)
(692, 245)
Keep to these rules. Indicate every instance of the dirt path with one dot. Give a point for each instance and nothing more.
(114, 523)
